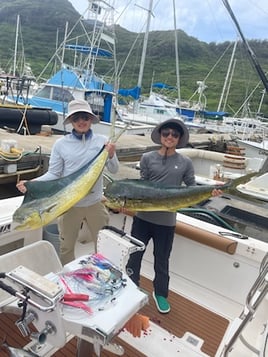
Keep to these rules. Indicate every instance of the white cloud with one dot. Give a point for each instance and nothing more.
(207, 20)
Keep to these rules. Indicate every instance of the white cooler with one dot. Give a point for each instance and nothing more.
(10, 239)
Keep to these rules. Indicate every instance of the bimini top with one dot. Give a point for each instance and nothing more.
(68, 77)
(95, 51)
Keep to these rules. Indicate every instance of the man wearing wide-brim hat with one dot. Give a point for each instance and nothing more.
(165, 165)
(70, 153)
(175, 124)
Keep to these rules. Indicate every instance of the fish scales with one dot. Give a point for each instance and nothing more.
(141, 195)
(40, 209)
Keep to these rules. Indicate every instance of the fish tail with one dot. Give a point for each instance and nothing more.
(231, 185)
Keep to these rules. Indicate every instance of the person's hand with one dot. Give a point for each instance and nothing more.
(137, 324)
(110, 147)
(21, 186)
(216, 192)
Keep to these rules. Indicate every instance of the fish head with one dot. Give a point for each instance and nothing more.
(27, 219)
(33, 215)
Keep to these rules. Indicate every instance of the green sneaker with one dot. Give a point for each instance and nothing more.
(161, 304)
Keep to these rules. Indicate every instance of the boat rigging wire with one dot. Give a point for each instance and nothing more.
(249, 50)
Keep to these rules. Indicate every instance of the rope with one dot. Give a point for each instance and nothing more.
(24, 121)
(10, 156)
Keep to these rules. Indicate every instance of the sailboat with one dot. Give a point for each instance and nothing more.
(150, 110)
(21, 117)
(78, 80)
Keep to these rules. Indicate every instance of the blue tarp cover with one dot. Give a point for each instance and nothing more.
(133, 92)
(162, 86)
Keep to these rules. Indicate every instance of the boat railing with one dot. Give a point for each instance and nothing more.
(254, 298)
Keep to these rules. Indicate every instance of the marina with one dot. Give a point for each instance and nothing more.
(218, 266)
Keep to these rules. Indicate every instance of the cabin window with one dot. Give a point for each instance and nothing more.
(61, 94)
(44, 92)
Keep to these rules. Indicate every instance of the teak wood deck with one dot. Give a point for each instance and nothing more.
(184, 316)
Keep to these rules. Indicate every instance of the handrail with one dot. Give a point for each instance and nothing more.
(261, 286)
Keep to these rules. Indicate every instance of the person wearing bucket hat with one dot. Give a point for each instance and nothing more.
(175, 124)
(68, 154)
(171, 168)
(77, 107)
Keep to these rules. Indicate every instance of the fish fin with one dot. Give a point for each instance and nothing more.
(41, 189)
(50, 208)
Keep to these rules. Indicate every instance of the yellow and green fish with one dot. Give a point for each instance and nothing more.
(141, 195)
(44, 201)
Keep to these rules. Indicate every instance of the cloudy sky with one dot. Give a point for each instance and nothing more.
(207, 20)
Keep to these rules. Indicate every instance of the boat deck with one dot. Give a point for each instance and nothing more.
(185, 316)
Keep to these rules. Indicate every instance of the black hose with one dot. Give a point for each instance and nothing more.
(8, 288)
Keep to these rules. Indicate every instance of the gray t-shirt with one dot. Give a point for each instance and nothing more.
(171, 170)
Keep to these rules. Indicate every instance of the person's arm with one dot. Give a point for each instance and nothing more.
(189, 179)
(55, 166)
(189, 175)
(112, 162)
(144, 171)
(54, 171)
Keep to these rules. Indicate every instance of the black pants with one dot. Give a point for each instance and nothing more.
(162, 237)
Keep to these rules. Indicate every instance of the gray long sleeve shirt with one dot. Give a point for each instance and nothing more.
(171, 170)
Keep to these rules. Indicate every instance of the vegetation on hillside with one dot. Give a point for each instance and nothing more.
(44, 21)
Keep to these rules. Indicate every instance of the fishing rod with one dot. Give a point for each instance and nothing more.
(249, 50)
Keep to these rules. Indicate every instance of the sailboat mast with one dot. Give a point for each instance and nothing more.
(227, 78)
(176, 54)
(16, 46)
(249, 50)
(145, 42)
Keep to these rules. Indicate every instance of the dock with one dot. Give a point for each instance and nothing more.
(129, 147)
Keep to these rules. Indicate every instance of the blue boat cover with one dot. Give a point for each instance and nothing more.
(96, 51)
(69, 78)
(133, 92)
(207, 113)
(162, 86)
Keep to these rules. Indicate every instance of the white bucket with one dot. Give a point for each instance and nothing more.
(51, 234)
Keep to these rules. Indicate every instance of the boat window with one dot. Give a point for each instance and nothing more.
(62, 94)
(44, 92)
(160, 111)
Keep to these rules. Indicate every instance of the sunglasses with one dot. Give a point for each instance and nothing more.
(78, 116)
(166, 132)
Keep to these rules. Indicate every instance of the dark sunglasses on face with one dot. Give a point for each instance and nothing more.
(166, 132)
(76, 117)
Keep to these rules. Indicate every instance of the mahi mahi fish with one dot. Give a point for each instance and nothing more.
(44, 201)
(142, 195)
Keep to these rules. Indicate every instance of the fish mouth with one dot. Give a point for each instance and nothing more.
(24, 226)
(21, 224)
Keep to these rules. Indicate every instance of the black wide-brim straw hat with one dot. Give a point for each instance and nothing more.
(172, 124)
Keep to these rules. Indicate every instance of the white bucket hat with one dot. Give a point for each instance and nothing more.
(172, 124)
(80, 105)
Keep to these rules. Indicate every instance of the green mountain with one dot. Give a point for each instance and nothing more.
(43, 24)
